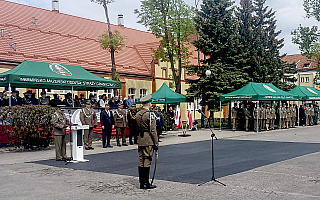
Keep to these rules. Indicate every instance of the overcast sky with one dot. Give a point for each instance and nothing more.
(289, 14)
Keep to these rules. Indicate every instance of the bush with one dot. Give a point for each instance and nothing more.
(28, 126)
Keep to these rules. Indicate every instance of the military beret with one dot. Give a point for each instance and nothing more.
(43, 92)
(146, 99)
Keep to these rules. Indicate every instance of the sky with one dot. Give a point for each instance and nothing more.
(289, 14)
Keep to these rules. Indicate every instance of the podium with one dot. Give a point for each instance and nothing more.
(77, 143)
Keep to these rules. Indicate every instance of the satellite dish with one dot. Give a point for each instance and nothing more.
(75, 119)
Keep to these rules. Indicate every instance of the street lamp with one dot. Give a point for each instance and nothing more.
(207, 73)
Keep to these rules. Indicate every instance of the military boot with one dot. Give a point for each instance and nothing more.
(144, 183)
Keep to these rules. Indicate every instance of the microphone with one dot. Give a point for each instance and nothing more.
(200, 111)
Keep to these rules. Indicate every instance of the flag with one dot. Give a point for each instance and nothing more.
(189, 119)
(177, 121)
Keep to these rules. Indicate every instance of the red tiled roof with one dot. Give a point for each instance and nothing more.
(67, 39)
(301, 62)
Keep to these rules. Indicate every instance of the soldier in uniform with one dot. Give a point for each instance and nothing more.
(94, 103)
(283, 116)
(68, 101)
(294, 115)
(60, 122)
(120, 123)
(88, 117)
(262, 118)
(268, 117)
(133, 131)
(247, 116)
(44, 100)
(234, 117)
(147, 141)
(159, 122)
(273, 117)
(81, 101)
(256, 113)
(311, 115)
(289, 116)
(308, 117)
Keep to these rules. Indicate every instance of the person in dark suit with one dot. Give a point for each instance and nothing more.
(107, 123)
(15, 99)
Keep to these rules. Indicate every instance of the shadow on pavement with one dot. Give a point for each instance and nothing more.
(191, 162)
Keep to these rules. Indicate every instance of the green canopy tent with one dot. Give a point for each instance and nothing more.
(258, 92)
(32, 74)
(165, 95)
(305, 94)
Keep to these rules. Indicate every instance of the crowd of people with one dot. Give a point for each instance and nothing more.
(266, 117)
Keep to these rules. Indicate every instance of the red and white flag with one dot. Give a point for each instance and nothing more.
(177, 121)
(189, 118)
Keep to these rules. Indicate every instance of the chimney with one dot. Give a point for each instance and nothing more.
(55, 5)
(120, 20)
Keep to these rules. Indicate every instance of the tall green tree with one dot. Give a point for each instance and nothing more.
(308, 38)
(170, 20)
(110, 41)
(219, 41)
(259, 38)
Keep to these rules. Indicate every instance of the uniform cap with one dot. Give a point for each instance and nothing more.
(81, 95)
(120, 104)
(28, 92)
(88, 102)
(146, 99)
(60, 107)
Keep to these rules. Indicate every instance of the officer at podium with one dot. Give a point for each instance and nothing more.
(88, 117)
(147, 141)
(60, 122)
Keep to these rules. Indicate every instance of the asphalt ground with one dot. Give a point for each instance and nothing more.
(282, 164)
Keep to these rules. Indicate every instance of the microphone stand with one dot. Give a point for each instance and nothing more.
(213, 136)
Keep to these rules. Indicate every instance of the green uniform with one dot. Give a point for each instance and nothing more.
(59, 122)
(273, 117)
(247, 116)
(120, 122)
(44, 101)
(234, 116)
(88, 117)
(294, 116)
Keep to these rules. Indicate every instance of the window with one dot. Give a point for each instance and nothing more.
(65, 91)
(49, 91)
(109, 93)
(2, 32)
(301, 79)
(307, 65)
(190, 105)
(132, 92)
(164, 73)
(95, 93)
(143, 92)
(198, 105)
(307, 79)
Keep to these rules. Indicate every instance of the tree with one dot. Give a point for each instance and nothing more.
(308, 38)
(259, 38)
(219, 41)
(171, 21)
(110, 41)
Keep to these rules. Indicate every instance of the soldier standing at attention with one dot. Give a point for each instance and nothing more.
(132, 124)
(262, 118)
(159, 122)
(289, 116)
(44, 100)
(247, 116)
(59, 122)
(120, 123)
(88, 117)
(147, 141)
(283, 116)
(308, 117)
(256, 112)
(273, 116)
(294, 115)
(234, 117)
(311, 115)
(268, 117)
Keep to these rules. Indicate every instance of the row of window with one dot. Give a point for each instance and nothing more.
(304, 79)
